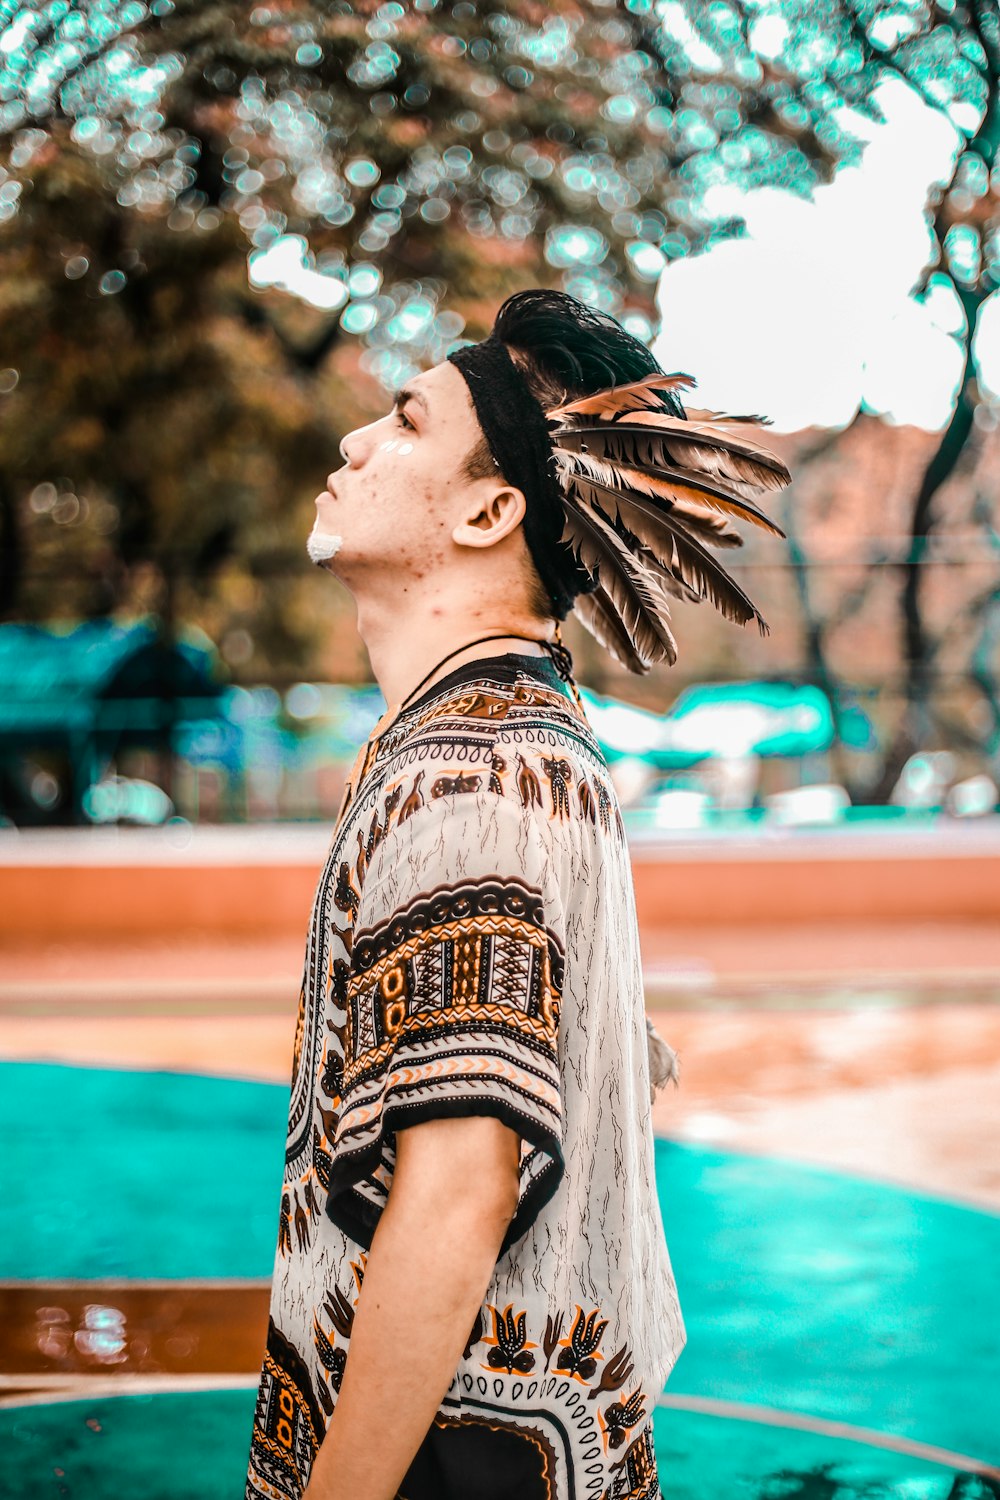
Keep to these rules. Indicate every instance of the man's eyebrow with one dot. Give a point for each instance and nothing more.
(406, 393)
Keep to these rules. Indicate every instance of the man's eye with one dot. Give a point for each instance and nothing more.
(402, 417)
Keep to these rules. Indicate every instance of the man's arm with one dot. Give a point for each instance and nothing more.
(453, 1194)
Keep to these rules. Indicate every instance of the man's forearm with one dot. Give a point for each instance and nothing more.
(425, 1279)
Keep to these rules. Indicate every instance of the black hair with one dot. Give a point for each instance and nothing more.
(581, 348)
(564, 349)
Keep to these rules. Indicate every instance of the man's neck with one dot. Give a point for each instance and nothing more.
(403, 648)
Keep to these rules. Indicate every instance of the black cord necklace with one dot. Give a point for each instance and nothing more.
(562, 660)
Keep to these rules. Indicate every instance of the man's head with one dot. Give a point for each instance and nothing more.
(419, 505)
(422, 503)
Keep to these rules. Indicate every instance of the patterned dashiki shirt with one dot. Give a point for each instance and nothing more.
(473, 949)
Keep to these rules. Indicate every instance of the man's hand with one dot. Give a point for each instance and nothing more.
(453, 1194)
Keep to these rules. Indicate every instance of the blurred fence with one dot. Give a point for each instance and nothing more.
(725, 754)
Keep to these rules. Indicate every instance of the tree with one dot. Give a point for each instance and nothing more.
(423, 160)
(950, 55)
(966, 223)
(850, 537)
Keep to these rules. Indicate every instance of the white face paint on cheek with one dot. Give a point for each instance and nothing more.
(406, 447)
(392, 445)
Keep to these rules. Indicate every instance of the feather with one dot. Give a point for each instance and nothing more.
(675, 547)
(729, 476)
(730, 452)
(670, 494)
(704, 574)
(709, 525)
(601, 550)
(733, 454)
(615, 399)
(751, 419)
(649, 468)
(649, 491)
(597, 612)
(669, 582)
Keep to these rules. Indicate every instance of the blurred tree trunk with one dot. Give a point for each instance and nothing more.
(973, 280)
(918, 723)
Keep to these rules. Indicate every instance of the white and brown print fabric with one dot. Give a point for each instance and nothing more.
(473, 949)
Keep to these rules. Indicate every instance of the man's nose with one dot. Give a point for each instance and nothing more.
(355, 446)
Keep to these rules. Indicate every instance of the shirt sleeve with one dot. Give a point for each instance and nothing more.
(453, 999)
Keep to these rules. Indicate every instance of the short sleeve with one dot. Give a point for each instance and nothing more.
(453, 999)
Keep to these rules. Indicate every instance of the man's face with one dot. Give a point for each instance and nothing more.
(395, 502)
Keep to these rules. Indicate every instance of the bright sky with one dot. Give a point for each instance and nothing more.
(810, 313)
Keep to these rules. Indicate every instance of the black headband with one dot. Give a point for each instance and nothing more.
(515, 427)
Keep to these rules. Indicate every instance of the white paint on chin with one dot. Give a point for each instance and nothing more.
(322, 545)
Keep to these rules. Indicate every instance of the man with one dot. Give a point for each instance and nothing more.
(473, 1297)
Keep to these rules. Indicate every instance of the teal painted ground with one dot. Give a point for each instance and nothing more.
(145, 1175)
(97, 1443)
(819, 1292)
(807, 1290)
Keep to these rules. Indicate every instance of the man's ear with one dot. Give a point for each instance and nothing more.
(497, 516)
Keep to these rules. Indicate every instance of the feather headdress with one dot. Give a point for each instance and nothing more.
(646, 494)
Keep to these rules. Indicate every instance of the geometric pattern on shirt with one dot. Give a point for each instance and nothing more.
(474, 944)
(635, 1474)
(470, 956)
(287, 1426)
(453, 1007)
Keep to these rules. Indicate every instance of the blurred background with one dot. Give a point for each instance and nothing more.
(227, 232)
